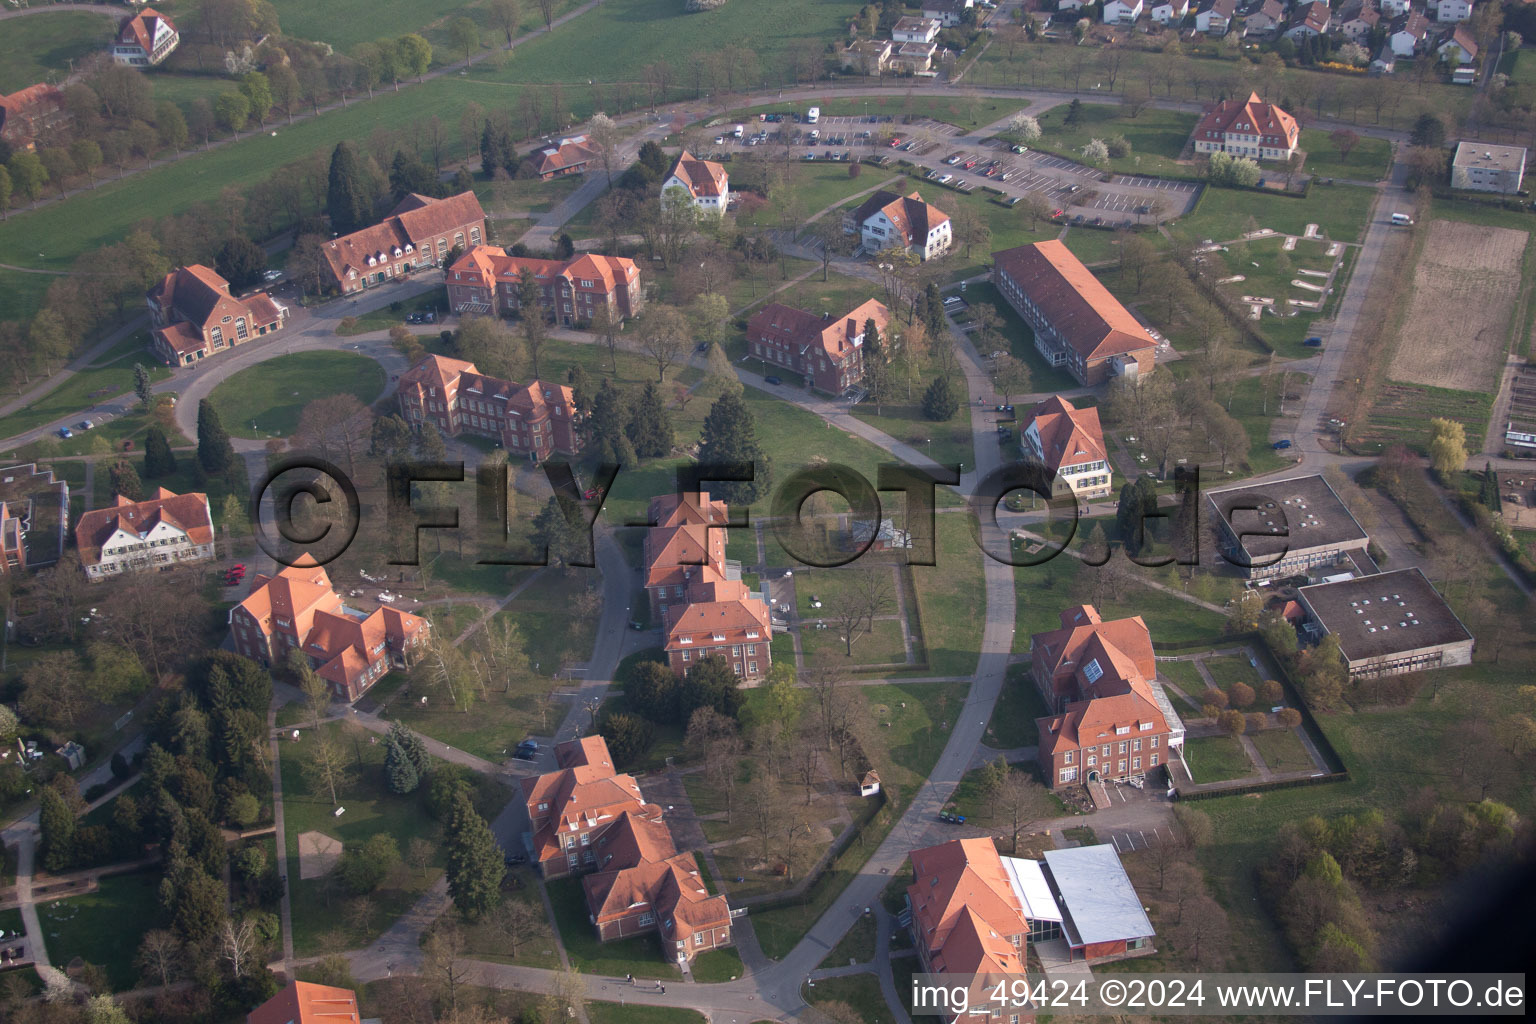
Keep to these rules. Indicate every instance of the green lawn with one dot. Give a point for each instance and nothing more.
(1340, 211)
(1282, 750)
(1369, 160)
(718, 965)
(1021, 340)
(858, 946)
(265, 401)
(947, 443)
(1184, 675)
(860, 992)
(104, 927)
(33, 47)
(951, 596)
(1156, 136)
(536, 944)
(963, 111)
(83, 391)
(1216, 758)
(370, 810)
(1094, 245)
(640, 956)
(812, 186)
(1232, 668)
(1013, 719)
(882, 647)
(395, 313)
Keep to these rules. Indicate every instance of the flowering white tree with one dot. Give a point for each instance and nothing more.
(1024, 128)
(1096, 152)
(1354, 55)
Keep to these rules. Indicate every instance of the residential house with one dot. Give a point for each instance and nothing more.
(826, 350)
(1395, 8)
(1264, 19)
(1068, 6)
(1407, 33)
(948, 13)
(967, 919)
(536, 419)
(886, 219)
(1249, 127)
(161, 532)
(1069, 443)
(144, 39)
(1387, 624)
(485, 281)
(705, 182)
(1285, 527)
(299, 610)
(1077, 323)
(419, 233)
(914, 57)
(1309, 21)
(1447, 11)
(1385, 62)
(30, 114)
(34, 518)
(1214, 17)
(193, 315)
(916, 30)
(1113, 721)
(868, 56)
(302, 1002)
(1358, 20)
(1122, 12)
(567, 156)
(1484, 167)
(1458, 47)
(1169, 12)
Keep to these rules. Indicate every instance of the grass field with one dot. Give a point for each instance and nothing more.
(947, 443)
(1224, 214)
(859, 992)
(104, 927)
(83, 391)
(266, 401)
(640, 956)
(882, 647)
(1281, 749)
(1013, 719)
(1369, 160)
(1232, 668)
(858, 946)
(1216, 759)
(536, 944)
(952, 599)
(36, 46)
(1156, 136)
(962, 111)
(811, 187)
(630, 1013)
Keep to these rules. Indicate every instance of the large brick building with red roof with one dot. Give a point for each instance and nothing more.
(29, 114)
(1078, 324)
(144, 39)
(303, 1002)
(584, 818)
(161, 532)
(1112, 719)
(534, 419)
(299, 610)
(419, 233)
(705, 182)
(193, 316)
(1069, 443)
(486, 281)
(826, 350)
(1250, 127)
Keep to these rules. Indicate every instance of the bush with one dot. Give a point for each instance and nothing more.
(1232, 722)
(1118, 147)
(1240, 695)
(1290, 717)
(347, 323)
(1214, 697)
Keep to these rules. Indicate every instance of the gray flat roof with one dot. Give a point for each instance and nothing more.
(1285, 515)
(1486, 154)
(1096, 897)
(1389, 613)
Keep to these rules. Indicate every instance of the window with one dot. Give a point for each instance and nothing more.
(1066, 758)
(1136, 744)
(1154, 760)
(1122, 766)
(1154, 745)
(1068, 774)
(752, 667)
(1122, 746)
(698, 938)
(1135, 764)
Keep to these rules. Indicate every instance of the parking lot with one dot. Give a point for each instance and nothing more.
(1131, 840)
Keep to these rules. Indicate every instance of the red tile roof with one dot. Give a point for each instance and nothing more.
(693, 507)
(572, 153)
(186, 512)
(1069, 436)
(139, 30)
(724, 609)
(964, 909)
(1089, 318)
(699, 177)
(912, 217)
(490, 264)
(1122, 648)
(833, 337)
(411, 225)
(1253, 116)
(305, 1003)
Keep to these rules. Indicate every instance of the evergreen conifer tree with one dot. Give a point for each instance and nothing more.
(606, 437)
(159, 460)
(413, 747)
(347, 195)
(475, 865)
(141, 383)
(650, 425)
(125, 481)
(214, 452)
(730, 436)
(57, 824)
(399, 772)
(939, 401)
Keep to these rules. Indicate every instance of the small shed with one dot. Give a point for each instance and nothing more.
(73, 755)
(869, 784)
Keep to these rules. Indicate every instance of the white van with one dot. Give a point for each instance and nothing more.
(741, 130)
(813, 115)
(1402, 220)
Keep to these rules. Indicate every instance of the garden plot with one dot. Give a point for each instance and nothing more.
(1463, 297)
(1278, 274)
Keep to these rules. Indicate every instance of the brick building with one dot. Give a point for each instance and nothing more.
(720, 618)
(193, 316)
(1281, 527)
(302, 1002)
(486, 281)
(1069, 443)
(161, 532)
(32, 114)
(1251, 127)
(419, 233)
(826, 350)
(299, 610)
(34, 518)
(1112, 719)
(1077, 323)
(534, 419)
(144, 39)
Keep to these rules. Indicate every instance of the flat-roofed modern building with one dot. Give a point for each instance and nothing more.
(1388, 624)
(1280, 527)
(1101, 915)
(1484, 167)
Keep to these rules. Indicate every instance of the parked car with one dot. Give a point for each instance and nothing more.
(1021, 149)
(1282, 444)
(945, 179)
(1004, 408)
(772, 380)
(1313, 343)
(66, 433)
(86, 424)
(702, 346)
(272, 275)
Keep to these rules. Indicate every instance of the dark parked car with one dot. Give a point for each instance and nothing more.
(1313, 343)
(772, 380)
(702, 346)
(1281, 444)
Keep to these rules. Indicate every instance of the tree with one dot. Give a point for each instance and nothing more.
(327, 767)
(939, 402)
(161, 958)
(603, 133)
(547, 9)
(231, 110)
(608, 440)
(399, 772)
(1232, 722)
(241, 262)
(1447, 446)
(1024, 128)
(1428, 131)
(258, 93)
(86, 154)
(554, 529)
(465, 35)
(475, 865)
(125, 481)
(730, 437)
(514, 920)
(349, 201)
(1426, 164)
(664, 336)
(1096, 152)
(56, 824)
(1240, 695)
(214, 451)
(506, 14)
(1021, 800)
(628, 736)
(364, 866)
(28, 175)
(650, 425)
(1010, 376)
(414, 54)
